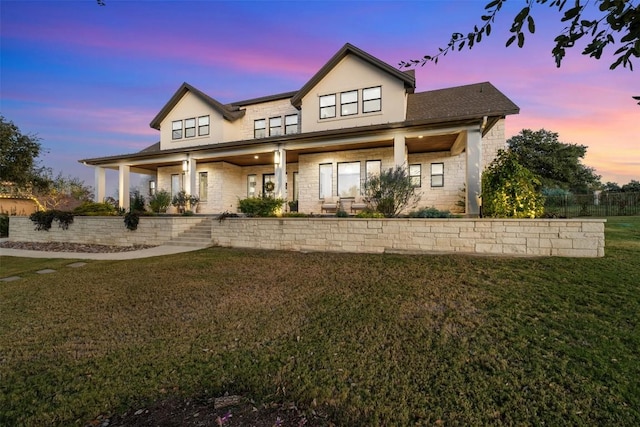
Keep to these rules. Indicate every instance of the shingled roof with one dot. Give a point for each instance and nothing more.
(461, 102)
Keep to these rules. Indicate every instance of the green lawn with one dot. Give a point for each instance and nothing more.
(366, 339)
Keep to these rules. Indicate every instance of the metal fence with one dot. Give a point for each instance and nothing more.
(597, 204)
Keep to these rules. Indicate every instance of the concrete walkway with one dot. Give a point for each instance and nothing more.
(142, 253)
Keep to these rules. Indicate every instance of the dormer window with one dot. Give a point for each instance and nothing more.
(176, 129)
(189, 128)
(372, 99)
(328, 106)
(349, 103)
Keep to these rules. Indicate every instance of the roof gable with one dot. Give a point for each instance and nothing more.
(229, 113)
(349, 49)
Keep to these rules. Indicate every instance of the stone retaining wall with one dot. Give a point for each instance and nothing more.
(103, 230)
(539, 237)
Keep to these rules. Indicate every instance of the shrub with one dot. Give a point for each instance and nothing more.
(509, 190)
(431, 212)
(295, 215)
(4, 225)
(136, 201)
(260, 206)
(44, 219)
(95, 209)
(367, 213)
(131, 220)
(160, 201)
(342, 214)
(391, 191)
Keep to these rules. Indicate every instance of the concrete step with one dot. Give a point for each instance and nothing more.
(199, 235)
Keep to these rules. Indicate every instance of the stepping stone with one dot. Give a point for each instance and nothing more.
(45, 271)
(10, 279)
(77, 264)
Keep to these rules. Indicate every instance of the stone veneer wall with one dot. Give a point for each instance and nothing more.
(533, 237)
(103, 230)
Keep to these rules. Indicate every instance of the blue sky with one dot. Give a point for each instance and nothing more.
(88, 79)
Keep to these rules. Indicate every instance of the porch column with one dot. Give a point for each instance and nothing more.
(399, 151)
(280, 171)
(100, 184)
(190, 177)
(474, 171)
(124, 178)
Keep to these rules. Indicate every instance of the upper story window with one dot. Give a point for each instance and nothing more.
(372, 99)
(176, 129)
(203, 125)
(275, 126)
(328, 106)
(189, 128)
(291, 124)
(349, 103)
(259, 128)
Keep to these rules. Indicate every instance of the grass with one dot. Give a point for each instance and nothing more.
(364, 339)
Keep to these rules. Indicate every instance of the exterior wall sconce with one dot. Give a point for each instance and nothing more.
(276, 158)
(185, 165)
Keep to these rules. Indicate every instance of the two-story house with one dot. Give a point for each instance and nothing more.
(355, 117)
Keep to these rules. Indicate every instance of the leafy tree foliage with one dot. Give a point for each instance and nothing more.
(606, 23)
(632, 187)
(62, 192)
(18, 154)
(510, 190)
(391, 191)
(557, 164)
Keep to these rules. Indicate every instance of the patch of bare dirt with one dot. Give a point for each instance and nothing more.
(231, 411)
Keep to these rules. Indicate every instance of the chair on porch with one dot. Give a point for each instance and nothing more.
(358, 205)
(330, 204)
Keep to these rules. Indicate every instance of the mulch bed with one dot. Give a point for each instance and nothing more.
(71, 247)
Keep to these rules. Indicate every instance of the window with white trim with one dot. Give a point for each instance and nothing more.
(291, 124)
(349, 179)
(203, 125)
(203, 186)
(259, 128)
(251, 185)
(326, 180)
(349, 103)
(176, 129)
(437, 174)
(372, 99)
(189, 128)
(373, 168)
(176, 184)
(415, 173)
(275, 126)
(328, 106)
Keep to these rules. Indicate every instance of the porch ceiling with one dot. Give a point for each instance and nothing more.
(431, 143)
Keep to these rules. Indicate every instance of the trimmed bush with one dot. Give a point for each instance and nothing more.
(95, 209)
(44, 219)
(4, 225)
(160, 201)
(260, 206)
(431, 212)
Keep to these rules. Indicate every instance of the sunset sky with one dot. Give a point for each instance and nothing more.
(88, 79)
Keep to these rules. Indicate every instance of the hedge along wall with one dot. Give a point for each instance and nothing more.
(529, 237)
(103, 230)
(532, 237)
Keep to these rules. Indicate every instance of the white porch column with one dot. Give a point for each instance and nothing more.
(474, 171)
(100, 183)
(280, 171)
(124, 179)
(190, 177)
(399, 151)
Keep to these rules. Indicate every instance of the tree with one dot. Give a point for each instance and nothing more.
(391, 191)
(613, 23)
(510, 190)
(611, 187)
(18, 154)
(632, 187)
(63, 193)
(556, 163)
